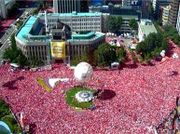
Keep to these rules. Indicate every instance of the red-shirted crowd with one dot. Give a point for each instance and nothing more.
(143, 97)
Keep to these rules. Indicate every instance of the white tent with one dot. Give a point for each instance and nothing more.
(162, 53)
(14, 65)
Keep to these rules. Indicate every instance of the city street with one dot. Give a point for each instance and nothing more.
(5, 39)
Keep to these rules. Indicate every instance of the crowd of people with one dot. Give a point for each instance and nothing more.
(143, 97)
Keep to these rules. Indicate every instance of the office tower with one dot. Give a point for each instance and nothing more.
(145, 4)
(173, 13)
(178, 21)
(159, 6)
(3, 13)
(157, 3)
(68, 6)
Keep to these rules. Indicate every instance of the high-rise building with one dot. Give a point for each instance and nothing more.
(165, 14)
(178, 21)
(173, 13)
(157, 3)
(3, 13)
(68, 6)
(145, 8)
(158, 6)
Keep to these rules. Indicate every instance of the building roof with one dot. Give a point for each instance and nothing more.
(87, 35)
(74, 14)
(27, 33)
(147, 27)
(84, 37)
(26, 28)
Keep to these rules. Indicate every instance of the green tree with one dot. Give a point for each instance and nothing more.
(34, 62)
(114, 23)
(22, 60)
(106, 54)
(133, 24)
(77, 59)
(171, 32)
(15, 55)
(151, 47)
(13, 42)
(121, 54)
(119, 21)
(111, 24)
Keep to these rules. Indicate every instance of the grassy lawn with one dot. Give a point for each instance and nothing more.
(7, 117)
(71, 100)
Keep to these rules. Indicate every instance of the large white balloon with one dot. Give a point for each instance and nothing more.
(83, 72)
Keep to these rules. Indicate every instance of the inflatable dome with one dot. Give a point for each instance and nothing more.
(83, 72)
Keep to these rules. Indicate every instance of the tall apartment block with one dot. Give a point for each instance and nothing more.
(165, 14)
(173, 13)
(68, 6)
(178, 21)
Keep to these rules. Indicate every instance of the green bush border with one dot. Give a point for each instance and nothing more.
(7, 117)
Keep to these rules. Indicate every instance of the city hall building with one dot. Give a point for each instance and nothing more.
(51, 37)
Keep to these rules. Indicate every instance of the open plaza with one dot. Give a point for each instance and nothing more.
(90, 67)
(136, 99)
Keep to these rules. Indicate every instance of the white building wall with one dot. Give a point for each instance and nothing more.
(77, 23)
(145, 27)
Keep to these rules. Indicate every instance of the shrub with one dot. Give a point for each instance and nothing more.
(106, 54)
(151, 47)
(77, 59)
(121, 53)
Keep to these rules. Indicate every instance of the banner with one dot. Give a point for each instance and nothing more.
(58, 50)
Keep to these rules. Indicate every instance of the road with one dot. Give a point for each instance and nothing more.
(5, 40)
